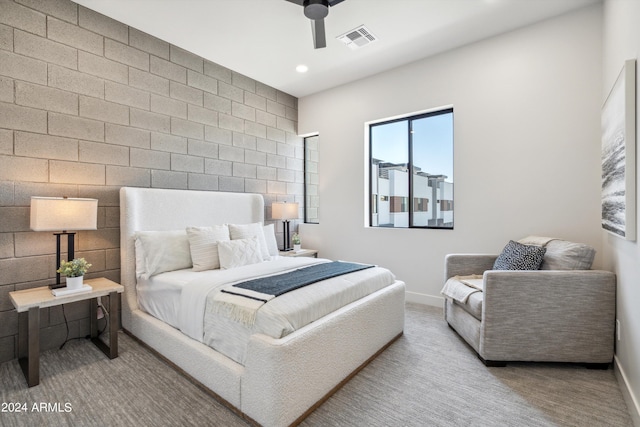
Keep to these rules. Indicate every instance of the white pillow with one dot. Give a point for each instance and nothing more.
(203, 243)
(160, 251)
(270, 238)
(245, 231)
(236, 253)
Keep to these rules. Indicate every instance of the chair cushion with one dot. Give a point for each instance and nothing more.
(564, 255)
(516, 256)
(473, 305)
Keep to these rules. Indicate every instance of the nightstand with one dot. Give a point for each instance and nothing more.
(310, 253)
(29, 302)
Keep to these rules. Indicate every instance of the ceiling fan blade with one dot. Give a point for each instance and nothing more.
(298, 2)
(333, 2)
(317, 28)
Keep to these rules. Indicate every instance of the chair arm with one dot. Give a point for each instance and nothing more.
(548, 315)
(466, 264)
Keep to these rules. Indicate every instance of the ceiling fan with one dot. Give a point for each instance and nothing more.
(316, 11)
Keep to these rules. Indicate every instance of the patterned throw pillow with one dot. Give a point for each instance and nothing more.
(236, 253)
(245, 231)
(516, 256)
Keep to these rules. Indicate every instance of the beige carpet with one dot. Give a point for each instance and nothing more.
(429, 377)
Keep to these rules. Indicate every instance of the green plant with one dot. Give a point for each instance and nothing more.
(75, 268)
(295, 239)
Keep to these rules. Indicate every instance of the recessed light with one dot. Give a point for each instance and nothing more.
(302, 68)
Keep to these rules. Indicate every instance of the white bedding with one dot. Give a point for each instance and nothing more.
(184, 299)
(159, 295)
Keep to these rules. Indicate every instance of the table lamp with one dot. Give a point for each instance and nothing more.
(62, 214)
(285, 211)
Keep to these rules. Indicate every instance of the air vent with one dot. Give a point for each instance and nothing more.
(357, 37)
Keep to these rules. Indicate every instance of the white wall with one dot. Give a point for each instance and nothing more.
(527, 148)
(621, 35)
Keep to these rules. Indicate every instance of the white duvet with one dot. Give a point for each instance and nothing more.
(277, 318)
(194, 295)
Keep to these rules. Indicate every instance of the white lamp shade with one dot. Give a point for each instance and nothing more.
(283, 210)
(63, 214)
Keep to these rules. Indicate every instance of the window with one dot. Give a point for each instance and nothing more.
(420, 204)
(399, 204)
(422, 144)
(311, 197)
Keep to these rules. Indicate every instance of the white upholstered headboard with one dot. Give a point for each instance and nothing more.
(148, 209)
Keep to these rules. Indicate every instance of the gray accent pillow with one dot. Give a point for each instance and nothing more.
(516, 256)
(564, 255)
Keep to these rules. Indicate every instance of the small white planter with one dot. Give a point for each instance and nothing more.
(74, 282)
(297, 247)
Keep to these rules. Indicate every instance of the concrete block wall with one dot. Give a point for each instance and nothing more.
(88, 105)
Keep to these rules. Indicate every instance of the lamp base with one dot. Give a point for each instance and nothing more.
(70, 254)
(286, 247)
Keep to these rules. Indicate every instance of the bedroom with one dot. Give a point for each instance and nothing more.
(544, 84)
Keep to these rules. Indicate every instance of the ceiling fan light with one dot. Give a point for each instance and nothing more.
(316, 9)
(302, 68)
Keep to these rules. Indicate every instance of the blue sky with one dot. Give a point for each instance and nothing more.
(432, 143)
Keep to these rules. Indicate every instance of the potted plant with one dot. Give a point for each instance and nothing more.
(74, 271)
(295, 239)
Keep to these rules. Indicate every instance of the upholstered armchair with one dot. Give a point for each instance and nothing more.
(545, 315)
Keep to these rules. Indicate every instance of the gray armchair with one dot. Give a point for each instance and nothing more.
(539, 315)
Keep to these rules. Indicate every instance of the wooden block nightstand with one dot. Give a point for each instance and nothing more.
(311, 253)
(29, 302)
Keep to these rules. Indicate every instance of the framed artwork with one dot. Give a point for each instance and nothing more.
(619, 155)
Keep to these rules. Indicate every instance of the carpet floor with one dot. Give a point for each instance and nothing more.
(428, 377)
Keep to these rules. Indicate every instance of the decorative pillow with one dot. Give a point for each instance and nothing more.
(203, 243)
(564, 255)
(536, 240)
(160, 251)
(140, 262)
(516, 256)
(245, 231)
(236, 253)
(270, 237)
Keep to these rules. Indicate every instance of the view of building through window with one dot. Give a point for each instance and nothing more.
(311, 196)
(422, 144)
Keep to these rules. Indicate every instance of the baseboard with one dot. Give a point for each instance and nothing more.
(424, 299)
(633, 405)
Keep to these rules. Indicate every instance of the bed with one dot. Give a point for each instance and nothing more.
(270, 381)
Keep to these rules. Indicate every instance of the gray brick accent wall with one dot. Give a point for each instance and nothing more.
(87, 105)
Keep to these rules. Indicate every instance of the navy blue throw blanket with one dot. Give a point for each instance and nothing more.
(286, 282)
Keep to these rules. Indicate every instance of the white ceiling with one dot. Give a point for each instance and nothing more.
(267, 39)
